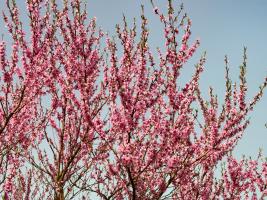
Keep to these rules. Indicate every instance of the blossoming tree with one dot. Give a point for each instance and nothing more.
(78, 120)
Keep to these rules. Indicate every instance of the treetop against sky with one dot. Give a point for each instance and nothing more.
(126, 111)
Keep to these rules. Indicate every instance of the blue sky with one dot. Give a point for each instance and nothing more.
(223, 27)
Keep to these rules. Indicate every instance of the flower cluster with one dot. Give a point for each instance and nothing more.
(77, 119)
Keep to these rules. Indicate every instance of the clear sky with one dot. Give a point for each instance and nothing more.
(223, 27)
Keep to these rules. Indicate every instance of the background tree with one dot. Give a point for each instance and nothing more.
(19, 93)
(69, 101)
(118, 125)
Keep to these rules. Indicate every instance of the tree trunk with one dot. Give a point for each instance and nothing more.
(59, 194)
